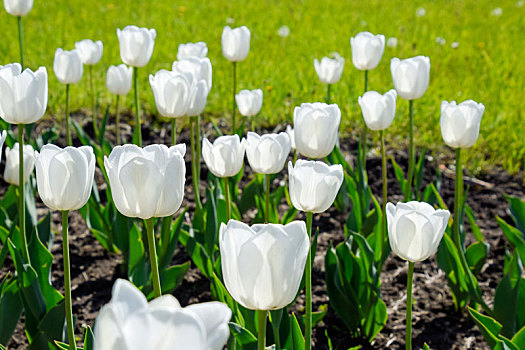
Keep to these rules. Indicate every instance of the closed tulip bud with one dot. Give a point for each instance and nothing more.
(23, 95)
(314, 185)
(90, 51)
(378, 110)
(235, 43)
(136, 45)
(172, 92)
(410, 76)
(316, 127)
(367, 50)
(199, 68)
(291, 135)
(263, 265)
(129, 322)
(199, 50)
(329, 70)
(119, 78)
(460, 123)
(18, 8)
(68, 66)
(224, 158)
(64, 176)
(415, 229)
(267, 153)
(147, 182)
(12, 160)
(249, 102)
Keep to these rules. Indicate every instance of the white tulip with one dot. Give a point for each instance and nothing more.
(267, 153)
(224, 158)
(378, 110)
(391, 42)
(172, 92)
(147, 182)
(410, 76)
(18, 8)
(68, 66)
(284, 31)
(90, 51)
(23, 95)
(249, 102)
(64, 176)
(199, 68)
(314, 185)
(263, 265)
(460, 123)
(235, 43)
(129, 322)
(367, 50)
(12, 160)
(329, 70)
(415, 229)
(136, 45)
(316, 128)
(118, 79)
(199, 50)
(291, 135)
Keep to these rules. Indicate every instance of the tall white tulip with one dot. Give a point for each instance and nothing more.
(129, 322)
(249, 102)
(263, 265)
(367, 50)
(316, 127)
(329, 70)
(147, 182)
(11, 174)
(199, 68)
(224, 158)
(18, 8)
(68, 66)
(199, 50)
(267, 153)
(378, 110)
(64, 176)
(235, 43)
(172, 92)
(136, 45)
(460, 123)
(90, 51)
(118, 79)
(314, 185)
(23, 95)
(410, 76)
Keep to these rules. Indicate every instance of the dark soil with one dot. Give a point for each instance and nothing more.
(434, 319)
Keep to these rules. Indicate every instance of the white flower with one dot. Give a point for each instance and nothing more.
(497, 12)
(291, 134)
(267, 153)
(172, 92)
(224, 158)
(284, 31)
(68, 66)
(367, 50)
(391, 42)
(460, 123)
(440, 40)
(12, 157)
(90, 52)
(249, 102)
(329, 70)
(420, 12)
(378, 110)
(235, 43)
(199, 50)
(18, 8)
(410, 76)
(119, 78)
(136, 45)
(454, 45)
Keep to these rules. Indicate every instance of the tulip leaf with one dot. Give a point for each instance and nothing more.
(243, 336)
(514, 236)
(519, 338)
(476, 255)
(517, 211)
(400, 175)
(53, 323)
(10, 308)
(490, 329)
(102, 127)
(247, 200)
(137, 264)
(210, 235)
(89, 338)
(506, 297)
(169, 239)
(171, 277)
(197, 252)
(297, 334)
(472, 223)
(418, 175)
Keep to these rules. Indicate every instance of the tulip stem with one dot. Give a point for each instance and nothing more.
(117, 120)
(409, 306)
(67, 282)
(365, 130)
(328, 95)
(21, 196)
(411, 153)
(198, 147)
(138, 127)
(195, 159)
(21, 40)
(93, 101)
(153, 258)
(261, 327)
(385, 191)
(308, 286)
(173, 132)
(68, 127)
(234, 91)
(267, 216)
(228, 199)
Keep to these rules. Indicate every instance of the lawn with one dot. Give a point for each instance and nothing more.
(487, 64)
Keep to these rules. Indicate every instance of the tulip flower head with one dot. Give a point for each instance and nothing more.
(198, 50)
(64, 176)
(118, 79)
(11, 174)
(172, 92)
(199, 68)
(378, 110)
(136, 45)
(415, 229)
(249, 102)
(263, 265)
(391, 42)
(367, 50)
(90, 51)
(147, 182)
(18, 8)
(267, 153)
(329, 70)
(410, 76)
(23, 95)
(291, 135)
(68, 66)
(316, 127)
(235, 43)
(129, 322)
(460, 123)
(314, 185)
(224, 157)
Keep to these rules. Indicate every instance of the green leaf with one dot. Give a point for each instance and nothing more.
(517, 210)
(399, 173)
(243, 336)
(476, 255)
(488, 326)
(197, 252)
(514, 236)
(506, 297)
(138, 267)
(10, 308)
(297, 334)
(53, 323)
(89, 338)
(171, 277)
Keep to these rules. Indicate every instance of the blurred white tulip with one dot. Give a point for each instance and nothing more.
(378, 110)
(68, 66)
(249, 102)
(235, 43)
(199, 50)
(460, 123)
(119, 78)
(172, 92)
(224, 158)
(410, 76)
(367, 50)
(18, 8)
(12, 160)
(136, 45)
(267, 153)
(90, 51)
(329, 70)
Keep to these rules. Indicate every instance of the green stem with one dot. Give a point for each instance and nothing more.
(267, 213)
(385, 191)
(365, 129)
(308, 286)
(261, 325)
(411, 153)
(252, 122)
(328, 95)
(67, 282)
(199, 144)
(117, 121)
(138, 127)
(68, 127)
(21, 196)
(234, 91)
(153, 258)
(409, 306)
(228, 199)
(21, 40)
(195, 165)
(93, 101)
(173, 132)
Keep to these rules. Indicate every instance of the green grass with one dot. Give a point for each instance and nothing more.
(487, 66)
